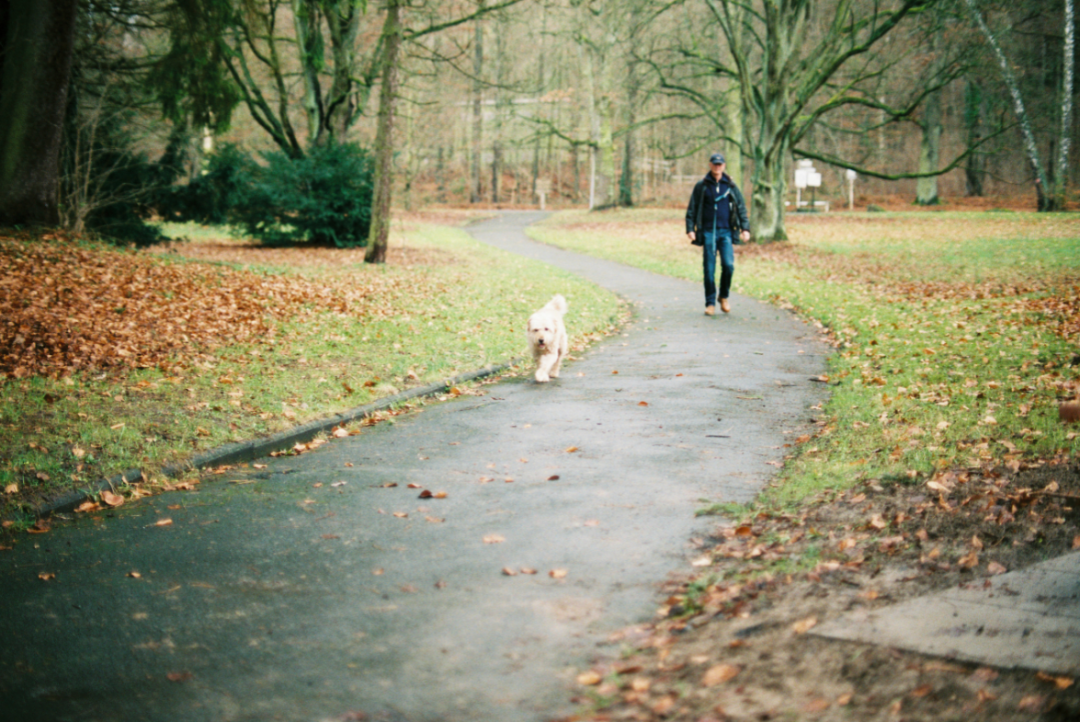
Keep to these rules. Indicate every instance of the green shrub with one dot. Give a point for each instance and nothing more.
(214, 196)
(323, 198)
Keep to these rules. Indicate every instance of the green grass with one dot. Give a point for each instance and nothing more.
(956, 332)
(464, 310)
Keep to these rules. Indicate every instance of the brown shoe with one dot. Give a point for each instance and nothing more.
(710, 310)
(725, 306)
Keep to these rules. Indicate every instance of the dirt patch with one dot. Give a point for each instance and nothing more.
(730, 639)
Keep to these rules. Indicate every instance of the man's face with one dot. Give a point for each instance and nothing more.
(717, 169)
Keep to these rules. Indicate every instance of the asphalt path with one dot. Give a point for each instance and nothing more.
(322, 587)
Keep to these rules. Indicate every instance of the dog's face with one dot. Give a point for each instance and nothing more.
(541, 331)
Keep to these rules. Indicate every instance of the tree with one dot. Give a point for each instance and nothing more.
(36, 41)
(786, 57)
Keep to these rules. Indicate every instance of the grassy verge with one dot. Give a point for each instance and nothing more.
(956, 332)
(336, 334)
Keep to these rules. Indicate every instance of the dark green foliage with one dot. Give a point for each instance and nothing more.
(323, 198)
(215, 195)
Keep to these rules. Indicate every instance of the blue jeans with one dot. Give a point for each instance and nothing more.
(718, 240)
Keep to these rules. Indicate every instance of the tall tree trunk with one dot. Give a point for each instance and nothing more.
(975, 165)
(1061, 177)
(36, 42)
(379, 234)
(767, 218)
(1013, 87)
(926, 188)
(478, 115)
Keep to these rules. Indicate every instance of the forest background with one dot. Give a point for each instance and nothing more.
(483, 102)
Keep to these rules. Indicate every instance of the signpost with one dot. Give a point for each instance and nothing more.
(543, 187)
(850, 175)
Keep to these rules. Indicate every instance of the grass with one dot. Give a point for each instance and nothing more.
(445, 306)
(956, 332)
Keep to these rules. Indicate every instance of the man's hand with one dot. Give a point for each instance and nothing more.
(745, 235)
(692, 236)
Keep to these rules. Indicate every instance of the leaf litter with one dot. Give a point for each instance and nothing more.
(730, 640)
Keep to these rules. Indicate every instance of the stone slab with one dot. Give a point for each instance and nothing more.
(1028, 618)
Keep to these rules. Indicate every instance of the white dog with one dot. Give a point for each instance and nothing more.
(547, 337)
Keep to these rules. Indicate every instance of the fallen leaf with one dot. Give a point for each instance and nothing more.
(557, 573)
(494, 538)
(1059, 682)
(340, 432)
(509, 572)
(996, 568)
(163, 522)
(134, 575)
(589, 678)
(112, 499)
(401, 514)
(921, 691)
(571, 449)
(46, 576)
(643, 403)
(434, 519)
(805, 625)
(844, 699)
(969, 561)
(1032, 703)
(178, 676)
(87, 506)
(555, 477)
(339, 483)
(378, 572)
(719, 673)
(413, 485)
(528, 570)
(14, 489)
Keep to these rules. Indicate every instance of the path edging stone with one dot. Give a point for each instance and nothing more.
(243, 451)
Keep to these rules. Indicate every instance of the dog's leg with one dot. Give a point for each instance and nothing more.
(558, 364)
(543, 368)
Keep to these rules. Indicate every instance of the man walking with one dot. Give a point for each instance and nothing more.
(716, 212)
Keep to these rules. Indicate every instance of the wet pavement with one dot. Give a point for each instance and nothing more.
(322, 586)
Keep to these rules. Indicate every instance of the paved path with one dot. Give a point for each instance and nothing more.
(278, 593)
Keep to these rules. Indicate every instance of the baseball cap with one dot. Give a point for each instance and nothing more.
(716, 159)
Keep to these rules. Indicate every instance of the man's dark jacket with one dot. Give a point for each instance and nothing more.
(740, 220)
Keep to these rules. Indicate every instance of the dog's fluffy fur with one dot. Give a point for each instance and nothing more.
(547, 338)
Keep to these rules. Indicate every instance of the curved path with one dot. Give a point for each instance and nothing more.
(279, 593)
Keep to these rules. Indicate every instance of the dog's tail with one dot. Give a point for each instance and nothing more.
(559, 303)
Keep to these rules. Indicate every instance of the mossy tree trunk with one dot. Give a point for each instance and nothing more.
(36, 42)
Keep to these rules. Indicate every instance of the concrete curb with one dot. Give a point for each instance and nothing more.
(249, 450)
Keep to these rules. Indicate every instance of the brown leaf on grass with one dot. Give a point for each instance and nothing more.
(112, 499)
(162, 522)
(804, 625)
(1032, 703)
(87, 506)
(11, 489)
(46, 576)
(719, 674)
(969, 560)
(1059, 682)
(134, 575)
(178, 676)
